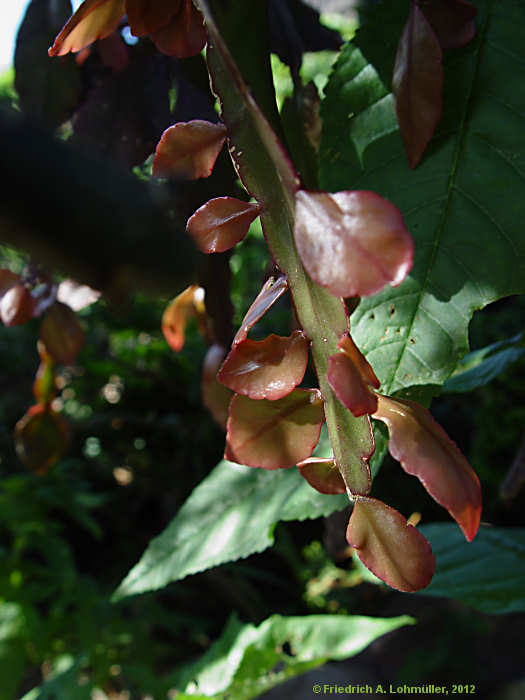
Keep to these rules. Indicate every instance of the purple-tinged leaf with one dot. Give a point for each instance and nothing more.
(94, 19)
(352, 243)
(215, 396)
(184, 35)
(17, 306)
(425, 450)
(62, 333)
(322, 474)
(41, 438)
(452, 21)
(221, 223)
(417, 84)
(274, 434)
(270, 292)
(188, 150)
(266, 369)
(188, 304)
(76, 296)
(393, 550)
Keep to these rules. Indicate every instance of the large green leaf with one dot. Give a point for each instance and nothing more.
(247, 660)
(487, 573)
(481, 366)
(230, 515)
(463, 204)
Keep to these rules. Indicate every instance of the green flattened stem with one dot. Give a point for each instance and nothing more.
(270, 178)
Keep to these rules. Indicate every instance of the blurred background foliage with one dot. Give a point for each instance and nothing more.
(142, 441)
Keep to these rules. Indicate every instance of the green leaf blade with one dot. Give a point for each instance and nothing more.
(462, 204)
(241, 664)
(487, 573)
(229, 516)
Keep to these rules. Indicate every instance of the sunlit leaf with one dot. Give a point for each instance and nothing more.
(425, 450)
(94, 19)
(391, 548)
(274, 434)
(236, 509)
(188, 304)
(41, 437)
(452, 21)
(148, 16)
(215, 396)
(465, 198)
(352, 243)
(417, 84)
(242, 663)
(322, 475)
(188, 150)
(185, 34)
(270, 292)
(17, 306)
(76, 296)
(221, 223)
(266, 369)
(62, 333)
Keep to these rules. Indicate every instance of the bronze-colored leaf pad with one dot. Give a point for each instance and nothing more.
(392, 549)
(349, 374)
(188, 150)
(352, 243)
(322, 475)
(266, 369)
(417, 84)
(425, 450)
(274, 434)
(188, 304)
(270, 292)
(221, 223)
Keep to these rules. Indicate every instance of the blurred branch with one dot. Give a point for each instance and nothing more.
(81, 215)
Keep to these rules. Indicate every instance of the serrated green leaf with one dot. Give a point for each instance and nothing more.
(487, 573)
(463, 204)
(242, 663)
(482, 366)
(230, 515)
